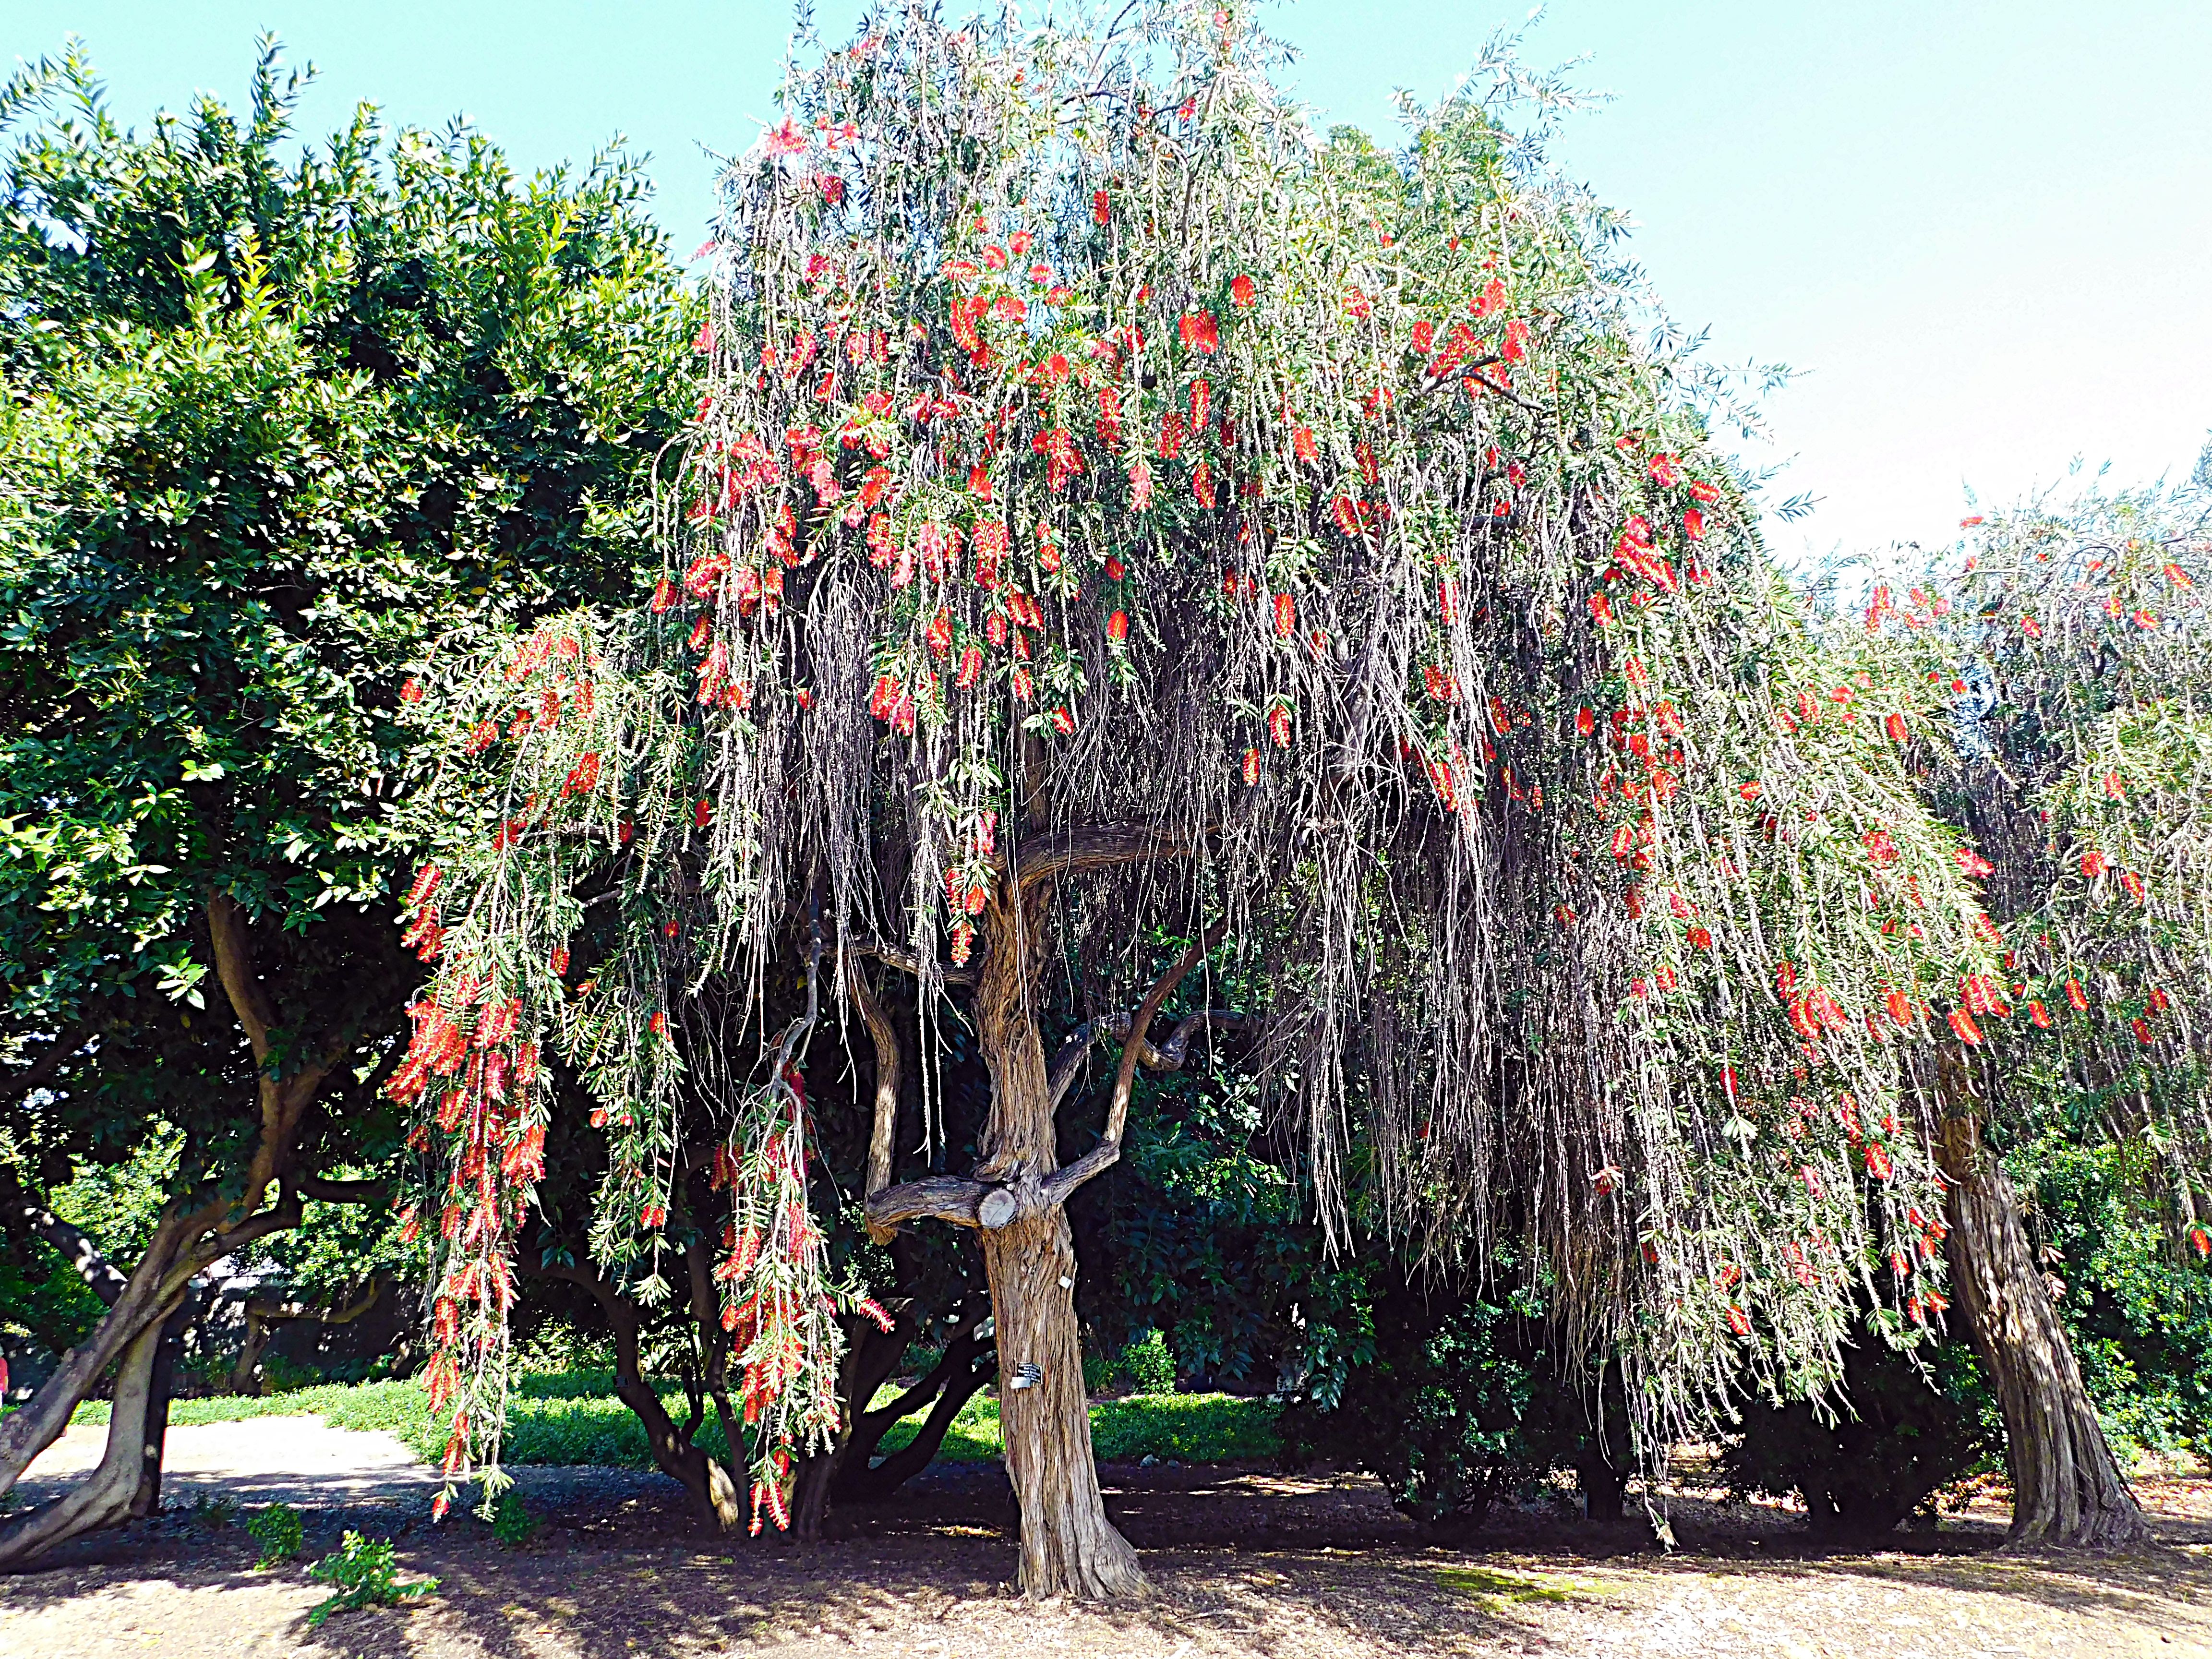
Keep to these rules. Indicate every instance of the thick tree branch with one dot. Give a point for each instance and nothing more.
(18, 1209)
(337, 1192)
(898, 956)
(1056, 853)
(955, 1199)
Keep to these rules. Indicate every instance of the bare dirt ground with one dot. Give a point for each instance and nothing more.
(1247, 1563)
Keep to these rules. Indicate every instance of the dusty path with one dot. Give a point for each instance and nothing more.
(1248, 1564)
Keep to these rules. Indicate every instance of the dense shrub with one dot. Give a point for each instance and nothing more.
(1455, 1402)
(1896, 1433)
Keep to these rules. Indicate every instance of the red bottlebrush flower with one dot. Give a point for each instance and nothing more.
(653, 1215)
(971, 667)
(1739, 1321)
(976, 898)
(1585, 721)
(559, 960)
(1062, 721)
(659, 1025)
(1116, 570)
(964, 942)
(1447, 600)
(1102, 207)
(2114, 788)
(1666, 470)
(2142, 1028)
(2077, 996)
(1278, 725)
(1243, 291)
(1302, 445)
(1750, 788)
(1700, 490)
(2094, 864)
(412, 691)
(1600, 609)
(1200, 332)
(663, 594)
(2133, 883)
(2200, 1241)
(1251, 766)
(1024, 688)
(939, 635)
(425, 883)
(1899, 1005)
(1638, 530)
(1694, 524)
(1700, 939)
(994, 627)
(1606, 1180)
(1117, 627)
(703, 815)
(1424, 337)
(1514, 346)
(1963, 1027)
(1894, 724)
(1201, 483)
(1286, 616)
(1201, 404)
(1972, 862)
(2039, 1014)
(1877, 1161)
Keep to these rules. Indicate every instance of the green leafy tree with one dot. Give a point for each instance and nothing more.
(274, 432)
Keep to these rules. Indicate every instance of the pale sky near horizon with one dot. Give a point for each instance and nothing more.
(1978, 229)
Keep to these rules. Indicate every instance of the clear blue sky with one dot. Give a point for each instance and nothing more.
(1980, 229)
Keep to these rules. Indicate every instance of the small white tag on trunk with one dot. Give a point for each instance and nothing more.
(1027, 1375)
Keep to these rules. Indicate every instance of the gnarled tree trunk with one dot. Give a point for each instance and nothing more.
(2068, 1487)
(1068, 1546)
(106, 1497)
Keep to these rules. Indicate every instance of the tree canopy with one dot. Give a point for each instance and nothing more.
(1115, 504)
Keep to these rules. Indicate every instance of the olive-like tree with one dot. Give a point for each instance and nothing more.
(272, 429)
(1117, 510)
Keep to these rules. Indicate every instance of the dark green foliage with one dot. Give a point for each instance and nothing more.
(277, 1527)
(512, 1523)
(277, 425)
(1462, 1402)
(2137, 1299)
(1897, 1434)
(365, 1575)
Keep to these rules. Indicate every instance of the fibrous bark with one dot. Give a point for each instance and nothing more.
(2068, 1487)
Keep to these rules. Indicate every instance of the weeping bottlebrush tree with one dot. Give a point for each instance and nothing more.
(1113, 509)
(2082, 642)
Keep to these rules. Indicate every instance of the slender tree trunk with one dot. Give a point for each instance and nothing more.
(25, 1433)
(103, 1498)
(1068, 1546)
(2068, 1487)
(154, 1433)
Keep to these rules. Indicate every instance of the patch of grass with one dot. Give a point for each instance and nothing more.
(1191, 1428)
(1486, 1586)
(572, 1417)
